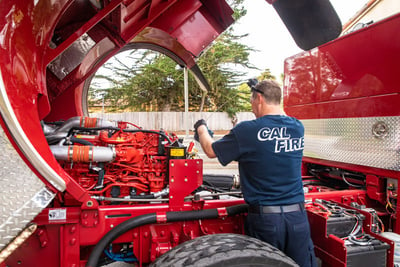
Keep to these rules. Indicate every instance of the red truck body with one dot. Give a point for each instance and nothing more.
(82, 206)
(346, 94)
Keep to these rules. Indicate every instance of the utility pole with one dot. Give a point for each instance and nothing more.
(186, 94)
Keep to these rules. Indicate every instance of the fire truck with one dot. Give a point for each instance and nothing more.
(81, 191)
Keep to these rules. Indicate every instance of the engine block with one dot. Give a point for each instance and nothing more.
(113, 161)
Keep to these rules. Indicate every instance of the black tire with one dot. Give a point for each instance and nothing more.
(224, 250)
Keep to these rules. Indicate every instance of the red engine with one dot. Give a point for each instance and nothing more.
(112, 160)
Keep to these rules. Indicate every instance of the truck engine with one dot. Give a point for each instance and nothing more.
(114, 161)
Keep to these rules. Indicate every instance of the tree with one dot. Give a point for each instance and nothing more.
(151, 81)
(266, 75)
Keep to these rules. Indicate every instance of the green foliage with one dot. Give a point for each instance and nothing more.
(143, 80)
(158, 85)
(266, 75)
(238, 8)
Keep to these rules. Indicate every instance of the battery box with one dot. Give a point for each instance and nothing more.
(373, 254)
(341, 225)
(339, 239)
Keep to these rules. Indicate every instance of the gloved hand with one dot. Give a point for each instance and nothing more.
(197, 125)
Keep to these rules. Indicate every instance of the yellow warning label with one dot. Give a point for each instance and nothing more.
(175, 152)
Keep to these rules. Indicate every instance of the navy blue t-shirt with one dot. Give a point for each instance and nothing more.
(269, 150)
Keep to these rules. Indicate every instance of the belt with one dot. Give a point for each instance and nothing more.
(276, 209)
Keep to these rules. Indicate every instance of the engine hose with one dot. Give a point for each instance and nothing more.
(117, 129)
(92, 129)
(75, 140)
(171, 216)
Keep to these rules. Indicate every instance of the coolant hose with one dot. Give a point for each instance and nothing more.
(172, 216)
(83, 153)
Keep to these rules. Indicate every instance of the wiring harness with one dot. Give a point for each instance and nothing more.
(348, 218)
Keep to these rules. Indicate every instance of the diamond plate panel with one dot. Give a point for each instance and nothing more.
(372, 141)
(22, 194)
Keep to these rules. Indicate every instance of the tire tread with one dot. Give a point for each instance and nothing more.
(223, 250)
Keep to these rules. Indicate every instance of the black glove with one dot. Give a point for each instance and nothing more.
(197, 125)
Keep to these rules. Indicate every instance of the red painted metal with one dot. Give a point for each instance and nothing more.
(161, 217)
(331, 249)
(157, 37)
(33, 97)
(53, 53)
(347, 77)
(340, 196)
(351, 77)
(376, 188)
(195, 24)
(184, 177)
(36, 94)
(66, 242)
(222, 212)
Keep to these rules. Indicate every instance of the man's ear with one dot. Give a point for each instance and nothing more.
(260, 97)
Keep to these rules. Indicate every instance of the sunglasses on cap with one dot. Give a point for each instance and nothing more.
(252, 83)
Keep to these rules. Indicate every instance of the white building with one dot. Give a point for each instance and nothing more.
(373, 11)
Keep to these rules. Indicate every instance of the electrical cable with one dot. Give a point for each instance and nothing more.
(364, 240)
(348, 183)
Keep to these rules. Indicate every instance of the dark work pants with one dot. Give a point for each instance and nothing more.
(289, 232)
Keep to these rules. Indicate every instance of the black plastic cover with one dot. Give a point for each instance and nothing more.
(310, 22)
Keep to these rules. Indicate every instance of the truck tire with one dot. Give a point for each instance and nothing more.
(224, 250)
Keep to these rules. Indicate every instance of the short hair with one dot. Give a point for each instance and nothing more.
(270, 90)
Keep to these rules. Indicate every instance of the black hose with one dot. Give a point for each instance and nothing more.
(172, 216)
(149, 196)
(100, 179)
(75, 140)
(116, 232)
(118, 129)
(237, 209)
(91, 129)
(176, 216)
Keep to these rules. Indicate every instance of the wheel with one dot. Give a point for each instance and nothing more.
(224, 250)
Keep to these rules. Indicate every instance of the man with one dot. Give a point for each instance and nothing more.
(269, 150)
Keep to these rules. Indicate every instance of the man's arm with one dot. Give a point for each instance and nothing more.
(206, 141)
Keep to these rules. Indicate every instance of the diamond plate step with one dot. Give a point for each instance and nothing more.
(22, 194)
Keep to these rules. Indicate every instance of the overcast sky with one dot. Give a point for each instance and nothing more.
(268, 34)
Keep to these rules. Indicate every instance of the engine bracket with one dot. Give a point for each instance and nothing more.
(185, 175)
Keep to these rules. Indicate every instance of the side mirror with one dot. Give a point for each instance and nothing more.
(310, 22)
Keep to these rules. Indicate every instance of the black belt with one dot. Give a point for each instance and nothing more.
(276, 209)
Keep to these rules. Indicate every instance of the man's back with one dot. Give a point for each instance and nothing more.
(269, 151)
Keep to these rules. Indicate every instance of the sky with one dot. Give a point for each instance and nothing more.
(273, 41)
(269, 37)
